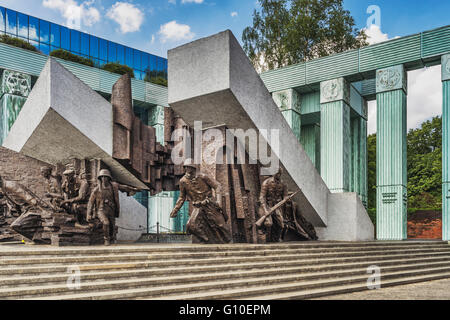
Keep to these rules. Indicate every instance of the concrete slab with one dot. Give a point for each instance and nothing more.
(347, 219)
(212, 80)
(132, 220)
(63, 119)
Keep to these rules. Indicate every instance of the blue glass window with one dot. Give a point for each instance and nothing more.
(103, 50)
(2, 19)
(34, 29)
(145, 61)
(93, 50)
(44, 31)
(55, 35)
(120, 54)
(137, 59)
(11, 22)
(112, 52)
(44, 48)
(35, 44)
(129, 57)
(75, 41)
(22, 23)
(84, 44)
(65, 38)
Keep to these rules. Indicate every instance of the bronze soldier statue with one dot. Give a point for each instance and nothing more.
(69, 186)
(78, 205)
(296, 227)
(208, 222)
(53, 186)
(104, 203)
(273, 191)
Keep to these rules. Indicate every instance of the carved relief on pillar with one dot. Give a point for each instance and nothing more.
(446, 67)
(15, 83)
(335, 90)
(392, 78)
(287, 100)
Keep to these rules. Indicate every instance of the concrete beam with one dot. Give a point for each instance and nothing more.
(213, 81)
(64, 119)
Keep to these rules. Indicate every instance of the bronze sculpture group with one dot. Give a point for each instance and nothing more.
(278, 216)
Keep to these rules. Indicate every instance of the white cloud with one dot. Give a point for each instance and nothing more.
(173, 31)
(375, 35)
(234, 14)
(75, 13)
(190, 1)
(127, 15)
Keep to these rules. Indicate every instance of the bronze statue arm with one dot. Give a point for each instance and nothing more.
(82, 194)
(217, 187)
(90, 207)
(131, 191)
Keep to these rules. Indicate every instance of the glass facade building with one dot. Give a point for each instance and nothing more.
(48, 37)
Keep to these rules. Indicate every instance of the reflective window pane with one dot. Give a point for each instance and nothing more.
(35, 44)
(145, 61)
(34, 29)
(54, 48)
(2, 19)
(44, 31)
(137, 59)
(129, 57)
(11, 22)
(65, 38)
(22, 25)
(55, 35)
(112, 52)
(44, 48)
(93, 48)
(120, 54)
(103, 50)
(75, 41)
(84, 44)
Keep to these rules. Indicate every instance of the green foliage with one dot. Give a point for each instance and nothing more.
(286, 32)
(424, 167)
(118, 68)
(156, 77)
(65, 55)
(16, 42)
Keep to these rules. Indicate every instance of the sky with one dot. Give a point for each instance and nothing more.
(156, 26)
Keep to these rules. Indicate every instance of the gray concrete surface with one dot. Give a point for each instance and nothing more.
(132, 220)
(431, 290)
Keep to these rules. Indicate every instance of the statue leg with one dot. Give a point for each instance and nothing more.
(193, 227)
(104, 219)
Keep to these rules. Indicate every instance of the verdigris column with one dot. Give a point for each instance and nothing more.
(310, 140)
(156, 120)
(335, 134)
(446, 148)
(391, 154)
(290, 106)
(358, 165)
(14, 91)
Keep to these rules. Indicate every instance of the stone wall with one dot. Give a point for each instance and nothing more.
(15, 166)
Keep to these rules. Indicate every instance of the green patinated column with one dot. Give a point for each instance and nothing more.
(290, 106)
(335, 142)
(358, 164)
(14, 91)
(310, 141)
(446, 148)
(391, 154)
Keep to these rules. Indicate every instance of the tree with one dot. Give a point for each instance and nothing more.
(372, 170)
(286, 32)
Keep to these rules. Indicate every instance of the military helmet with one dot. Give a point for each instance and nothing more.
(189, 163)
(104, 173)
(69, 172)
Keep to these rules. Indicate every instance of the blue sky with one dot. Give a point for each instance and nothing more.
(158, 25)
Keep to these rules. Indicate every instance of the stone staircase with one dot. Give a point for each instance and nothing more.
(278, 271)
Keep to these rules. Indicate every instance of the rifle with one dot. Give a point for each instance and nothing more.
(280, 204)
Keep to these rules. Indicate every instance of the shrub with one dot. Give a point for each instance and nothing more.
(156, 77)
(158, 80)
(16, 42)
(65, 55)
(118, 68)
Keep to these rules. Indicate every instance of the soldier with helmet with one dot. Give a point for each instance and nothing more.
(104, 204)
(208, 222)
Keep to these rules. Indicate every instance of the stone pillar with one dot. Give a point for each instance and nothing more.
(335, 134)
(310, 140)
(156, 120)
(446, 148)
(391, 154)
(290, 106)
(14, 91)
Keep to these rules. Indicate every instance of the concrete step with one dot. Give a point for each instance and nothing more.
(218, 289)
(196, 275)
(224, 256)
(17, 252)
(246, 262)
